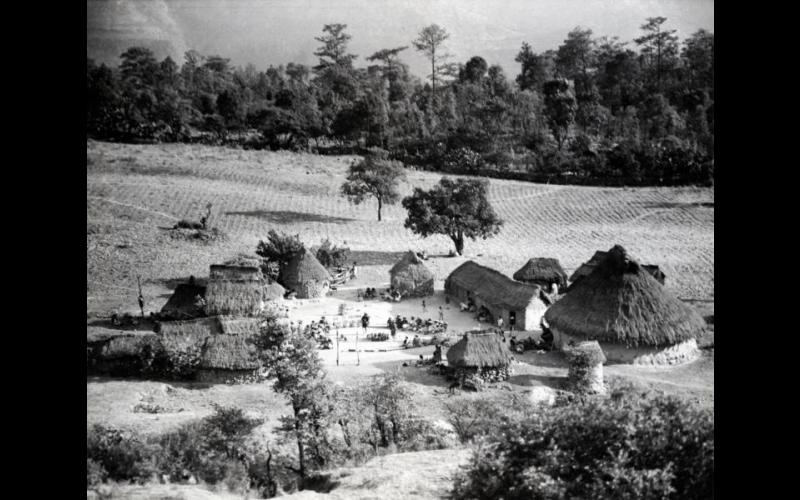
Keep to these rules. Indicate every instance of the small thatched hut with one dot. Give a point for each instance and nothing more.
(587, 267)
(520, 305)
(183, 303)
(235, 290)
(305, 275)
(228, 358)
(543, 271)
(586, 367)
(481, 353)
(634, 317)
(411, 277)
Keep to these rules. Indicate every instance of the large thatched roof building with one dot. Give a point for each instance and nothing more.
(411, 277)
(632, 315)
(520, 305)
(587, 267)
(184, 303)
(228, 358)
(543, 271)
(305, 275)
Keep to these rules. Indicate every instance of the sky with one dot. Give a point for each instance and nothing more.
(272, 32)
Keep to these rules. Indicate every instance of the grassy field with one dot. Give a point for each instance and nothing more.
(135, 192)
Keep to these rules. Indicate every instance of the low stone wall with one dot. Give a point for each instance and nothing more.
(620, 354)
(213, 376)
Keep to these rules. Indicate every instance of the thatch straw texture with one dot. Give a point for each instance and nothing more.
(238, 298)
(587, 267)
(305, 275)
(235, 272)
(479, 350)
(411, 277)
(123, 346)
(178, 336)
(492, 286)
(239, 326)
(542, 271)
(586, 367)
(182, 303)
(620, 302)
(229, 352)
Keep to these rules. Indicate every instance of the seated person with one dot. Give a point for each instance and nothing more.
(463, 307)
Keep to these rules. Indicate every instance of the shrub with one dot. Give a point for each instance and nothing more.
(95, 473)
(330, 255)
(474, 417)
(187, 224)
(627, 446)
(123, 456)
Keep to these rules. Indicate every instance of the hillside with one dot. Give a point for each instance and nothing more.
(136, 192)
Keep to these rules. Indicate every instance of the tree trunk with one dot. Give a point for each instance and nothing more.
(458, 239)
(380, 204)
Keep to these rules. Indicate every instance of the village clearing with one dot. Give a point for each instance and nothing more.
(135, 193)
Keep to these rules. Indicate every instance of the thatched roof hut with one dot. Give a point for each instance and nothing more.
(519, 304)
(235, 290)
(543, 271)
(305, 275)
(479, 350)
(621, 303)
(229, 352)
(183, 302)
(411, 276)
(587, 267)
(238, 326)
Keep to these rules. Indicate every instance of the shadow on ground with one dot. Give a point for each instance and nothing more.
(374, 258)
(289, 217)
(534, 380)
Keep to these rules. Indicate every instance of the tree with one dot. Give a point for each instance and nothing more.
(455, 208)
(576, 57)
(300, 377)
(374, 177)
(535, 70)
(429, 41)
(560, 108)
(659, 45)
(278, 249)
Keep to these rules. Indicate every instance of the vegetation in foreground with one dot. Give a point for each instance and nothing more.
(628, 445)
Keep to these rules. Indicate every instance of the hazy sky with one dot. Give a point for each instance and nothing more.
(265, 32)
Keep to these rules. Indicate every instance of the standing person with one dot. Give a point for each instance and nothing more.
(141, 304)
(441, 314)
(500, 323)
(354, 271)
(424, 308)
(365, 321)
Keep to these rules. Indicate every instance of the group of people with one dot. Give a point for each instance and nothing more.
(416, 342)
(368, 294)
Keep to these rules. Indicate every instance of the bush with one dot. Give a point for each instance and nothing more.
(475, 417)
(628, 446)
(95, 473)
(123, 456)
(187, 224)
(332, 256)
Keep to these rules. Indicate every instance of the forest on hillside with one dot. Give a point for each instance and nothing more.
(594, 110)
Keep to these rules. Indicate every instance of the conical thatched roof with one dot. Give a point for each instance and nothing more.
(587, 267)
(478, 350)
(229, 352)
(182, 304)
(542, 271)
(410, 273)
(304, 267)
(493, 287)
(620, 302)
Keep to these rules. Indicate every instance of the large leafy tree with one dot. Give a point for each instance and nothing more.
(457, 209)
(374, 177)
